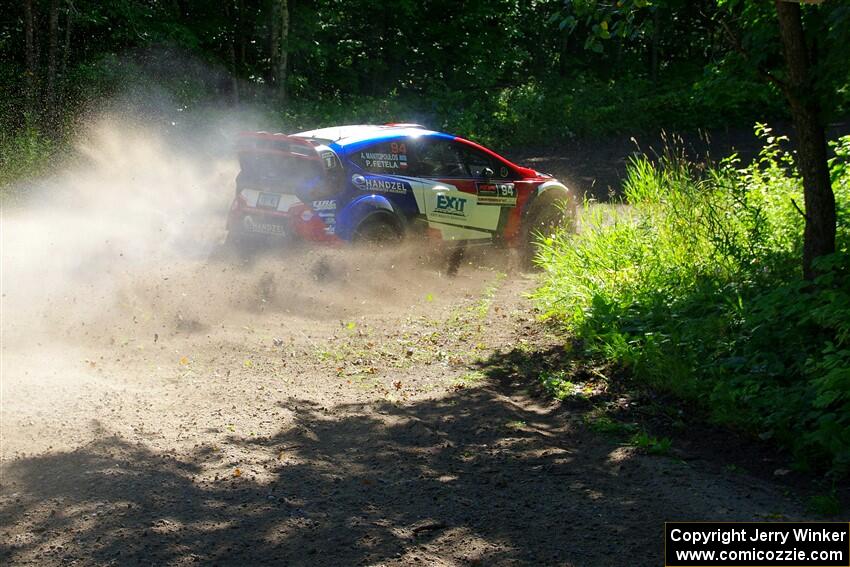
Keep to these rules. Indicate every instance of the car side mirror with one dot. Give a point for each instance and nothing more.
(487, 173)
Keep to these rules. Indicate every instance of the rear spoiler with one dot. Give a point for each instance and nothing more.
(264, 142)
(251, 145)
(404, 125)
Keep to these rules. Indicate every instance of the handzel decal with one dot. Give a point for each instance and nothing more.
(449, 205)
(503, 194)
(385, 185)
(262, 227)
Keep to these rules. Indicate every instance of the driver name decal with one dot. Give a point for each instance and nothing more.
(395, 158)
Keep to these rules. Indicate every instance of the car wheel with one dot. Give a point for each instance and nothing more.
(244, 245)
(555, 209)
(377, 232)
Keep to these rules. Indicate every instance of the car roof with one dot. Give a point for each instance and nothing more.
(356, 133)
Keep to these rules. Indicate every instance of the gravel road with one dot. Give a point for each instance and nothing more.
(321, 407)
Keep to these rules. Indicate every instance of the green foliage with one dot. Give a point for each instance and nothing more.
(601, 21)
(520, 78)
(732, 36)
(827, 505)
(23, 154)
(604, 424)
(694, 286)
(538, 113)
(587, 107)
(558, 385)
(651, 444)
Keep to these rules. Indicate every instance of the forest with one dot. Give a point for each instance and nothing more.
(501, 71)
(700, 296)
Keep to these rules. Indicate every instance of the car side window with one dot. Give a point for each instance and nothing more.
(476, 162)
(384, 157)
(438, 158)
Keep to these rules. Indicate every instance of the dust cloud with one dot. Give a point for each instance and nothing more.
(114, 272)
(127, 206)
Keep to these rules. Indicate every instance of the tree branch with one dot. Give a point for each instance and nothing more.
(799, 210)
(736, 43)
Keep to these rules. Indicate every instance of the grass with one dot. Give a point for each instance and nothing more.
(469, 379)
(651, 444)
(827, 505)
(694, 290)
(601, 423)
(558, 385)
(482, 307)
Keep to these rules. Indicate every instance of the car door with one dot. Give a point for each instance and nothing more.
(381, 168)
(448, 195)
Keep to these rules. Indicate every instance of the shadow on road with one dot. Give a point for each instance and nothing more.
(482, 476)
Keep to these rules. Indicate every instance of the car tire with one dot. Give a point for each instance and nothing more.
(555, 209)
(244, 245)
(377, 231)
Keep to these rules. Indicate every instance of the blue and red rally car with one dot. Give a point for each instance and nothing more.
(377, 183)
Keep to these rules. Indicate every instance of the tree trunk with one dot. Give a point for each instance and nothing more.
(50, 102)
(31, 57)
(819, 235)
(66, 49)
(563, 54)
(245, 17)
(279, 49)
(274, 43)
(234, 15)
(656, 38)
(283, 48)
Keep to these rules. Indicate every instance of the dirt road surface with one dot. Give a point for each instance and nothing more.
(327, 407)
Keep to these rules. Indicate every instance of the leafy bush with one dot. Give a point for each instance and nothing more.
(558, 385)
(693, 284)
(650, 444)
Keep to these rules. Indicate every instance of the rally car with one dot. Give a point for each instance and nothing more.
(381, 183)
